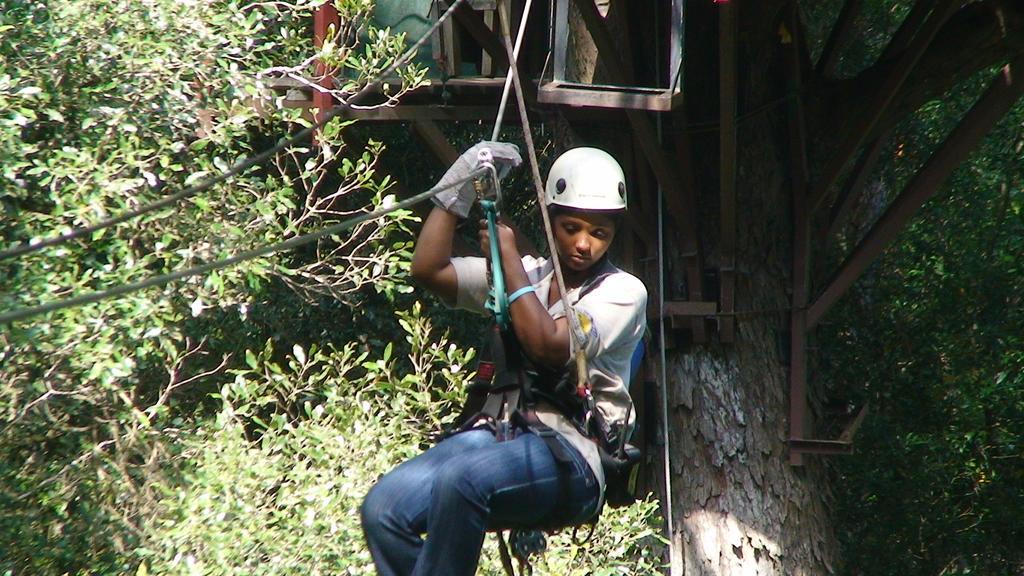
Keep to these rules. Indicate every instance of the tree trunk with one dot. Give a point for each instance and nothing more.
(739, 506)
(584, 65)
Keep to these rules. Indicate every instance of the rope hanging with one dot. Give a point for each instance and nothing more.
(575, 331)
(513, 62)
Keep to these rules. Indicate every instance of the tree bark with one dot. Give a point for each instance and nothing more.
(584, 65)
(738, 506)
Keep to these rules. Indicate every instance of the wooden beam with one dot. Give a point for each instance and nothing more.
(474, 23)
(799, 176)
(480, 86)
(838, 37)
(877, 104)
(455, 111)
(799, 446)
(681, 314)
(605, 96)
(410, 112)
(908, 28)
(727, 88)
(424, 113)
(684, 308)
(997, 100)
(844, 203)
(854, 425)
(679, 310)
(430, 134)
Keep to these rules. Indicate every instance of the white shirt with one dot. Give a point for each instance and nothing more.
(612, 315)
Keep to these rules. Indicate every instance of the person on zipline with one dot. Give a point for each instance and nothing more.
(474, 481)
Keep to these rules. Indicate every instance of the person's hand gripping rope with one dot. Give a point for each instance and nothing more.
(459, 200)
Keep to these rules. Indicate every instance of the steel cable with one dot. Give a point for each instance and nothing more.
(28, 312)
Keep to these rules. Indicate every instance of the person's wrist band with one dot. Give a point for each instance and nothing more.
(524, 290)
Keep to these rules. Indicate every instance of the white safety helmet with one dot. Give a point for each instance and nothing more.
(586, 179)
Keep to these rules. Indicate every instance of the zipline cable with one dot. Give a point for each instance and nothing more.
(23, 313)
(239, 167)
(675, 565)
(498, 301)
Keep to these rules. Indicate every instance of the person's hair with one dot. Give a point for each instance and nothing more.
(616, 216)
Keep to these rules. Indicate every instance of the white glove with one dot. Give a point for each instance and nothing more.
(459, 199)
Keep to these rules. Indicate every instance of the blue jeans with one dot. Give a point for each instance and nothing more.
(457, 490)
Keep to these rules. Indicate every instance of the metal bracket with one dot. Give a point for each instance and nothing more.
(560, 89)
(839, 446)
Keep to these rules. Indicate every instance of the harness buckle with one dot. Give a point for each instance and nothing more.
(485, 372)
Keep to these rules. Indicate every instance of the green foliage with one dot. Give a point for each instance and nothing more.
(273, 484)
(931, 340)
(107, 106)
(229, 423)
(626, 541)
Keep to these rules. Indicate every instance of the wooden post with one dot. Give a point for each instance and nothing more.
(801, 243)
(727, 84)
(324, 19)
